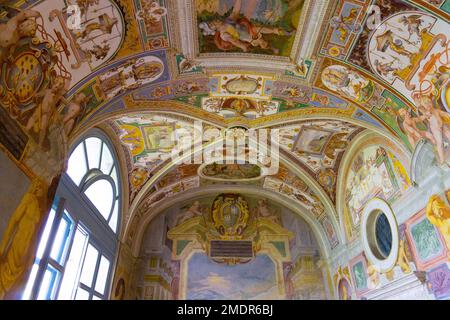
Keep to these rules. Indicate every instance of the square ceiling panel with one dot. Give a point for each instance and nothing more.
(251, 26)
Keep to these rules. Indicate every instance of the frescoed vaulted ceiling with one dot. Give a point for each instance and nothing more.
(147, 70)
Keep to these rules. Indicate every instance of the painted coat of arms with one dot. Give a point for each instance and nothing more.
(230, 215)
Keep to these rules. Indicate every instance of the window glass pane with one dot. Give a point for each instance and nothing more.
(101, 195)
(383, 235)
(114, 217)
(90, 261)
(107, 160)
(27, 293)
(96, 298)
(45, 234)
(116, 181)
(93, 149)
(102, 275)
(82, 294)
(72, 270)
(60, 244)
(76, 167)
(48, 284)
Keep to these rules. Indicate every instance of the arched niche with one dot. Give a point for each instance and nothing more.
(423, 161)
(180, 239)
(378, 168)
(137, 229)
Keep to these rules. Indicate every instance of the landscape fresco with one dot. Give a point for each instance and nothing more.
(251, 26)
(208, 280)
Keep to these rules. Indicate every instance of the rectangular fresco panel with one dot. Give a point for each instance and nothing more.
(312, 140)
(426, 240)
(250, 26)
(360, 275)
(345, 24)
(159, 137)
(212, 281)
(439, 281)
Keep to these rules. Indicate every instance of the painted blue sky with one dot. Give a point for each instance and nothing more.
(210, 280)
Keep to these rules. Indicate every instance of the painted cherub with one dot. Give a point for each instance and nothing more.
(47, 102)
(20, 26)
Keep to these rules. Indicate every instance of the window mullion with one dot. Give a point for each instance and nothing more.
(85, 287)
(55, 264)
(111, 170)
(97, 266)
(48, 246)
(101, 156)
(86, 156)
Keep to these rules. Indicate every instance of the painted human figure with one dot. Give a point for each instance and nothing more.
(384, 69)
(413, 133)
(264, 211)
(73, 110)
(17, 246)
(345, 81)
(104, 24)
(20, 26)
(439, 123)
(47, 104)
(194, 211)
(240, 32)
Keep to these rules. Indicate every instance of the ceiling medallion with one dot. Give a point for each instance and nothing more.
(242, 85)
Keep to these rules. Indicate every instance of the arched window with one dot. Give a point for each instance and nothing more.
(78, 246)
(93, 169)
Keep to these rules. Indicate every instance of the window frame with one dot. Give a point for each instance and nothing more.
(86, 181)
(70, 199)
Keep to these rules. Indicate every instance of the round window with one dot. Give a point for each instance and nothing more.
(380, 234)
(383, 235)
